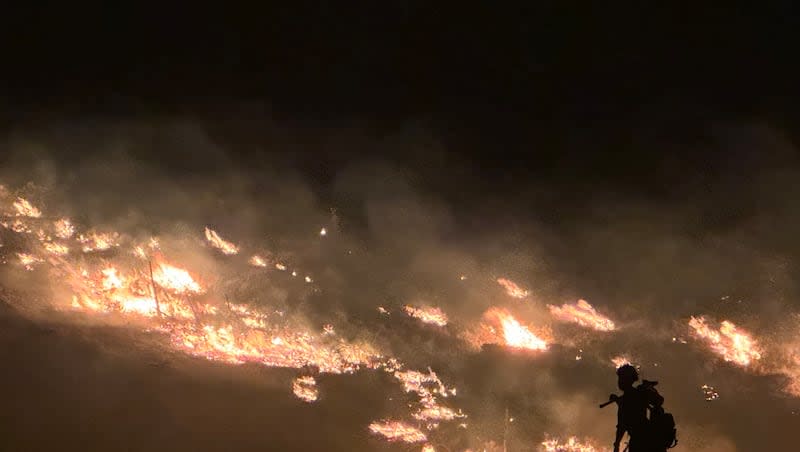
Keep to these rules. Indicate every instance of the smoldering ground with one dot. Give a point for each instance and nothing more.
(407, 217)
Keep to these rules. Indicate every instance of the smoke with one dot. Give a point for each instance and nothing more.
(409, 221)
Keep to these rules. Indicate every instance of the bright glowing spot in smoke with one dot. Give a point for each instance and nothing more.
(397, 431)
(26, 209)
(305, 389)
(429, 315)
(220, 244)
(512, 289)
(731, 343)
(583, 314)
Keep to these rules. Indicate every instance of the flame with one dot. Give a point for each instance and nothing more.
(26, 209)
(512, 289)
(305, 388)
(428, 448)
(170, 299)
(99, 241)
(28, 260)
(176, 279)
(429, 315)
(59, 249)
(583, 314)
(620, 361)
(397, 431)
(257, 261)
(571, 444)
(64, 228)
(500, 327)
(111, 279)
(221, 244)
(729, 342)
(517, 335)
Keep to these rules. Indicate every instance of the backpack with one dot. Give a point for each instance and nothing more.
(662, 426)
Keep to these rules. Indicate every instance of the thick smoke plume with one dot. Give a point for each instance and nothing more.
(410, 230)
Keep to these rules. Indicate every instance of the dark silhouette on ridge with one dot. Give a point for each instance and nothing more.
(655, 433)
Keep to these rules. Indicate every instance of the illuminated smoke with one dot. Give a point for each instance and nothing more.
(583, 314)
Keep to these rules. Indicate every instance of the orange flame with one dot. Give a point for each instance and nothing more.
(221, 244)
(430, 315)
(397, 431)
(512, 289)
(729, 342)
(305, 388)
(500, 327)
(176, 279)
(583, 314)
(26, 209)
(64, 228)
(257, 261)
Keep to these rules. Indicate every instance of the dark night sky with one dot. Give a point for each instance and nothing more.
(629, 97)
(315, 60)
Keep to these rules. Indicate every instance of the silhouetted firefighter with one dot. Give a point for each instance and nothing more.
(653, 434)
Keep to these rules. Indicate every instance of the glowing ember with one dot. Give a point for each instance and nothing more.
(26, 209)
(308, 279)
(512, 289)
(28, 260)
(619, 361)
(257, 261)
(280, 267)
(221, 244)
(397, 431)
(583, 314)
(429, 315)
(305, 388)
(709, 393)
(428, 448)
(729, 342)
(175, 279)
(323, 232)
(64, 228)
(571, 444)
